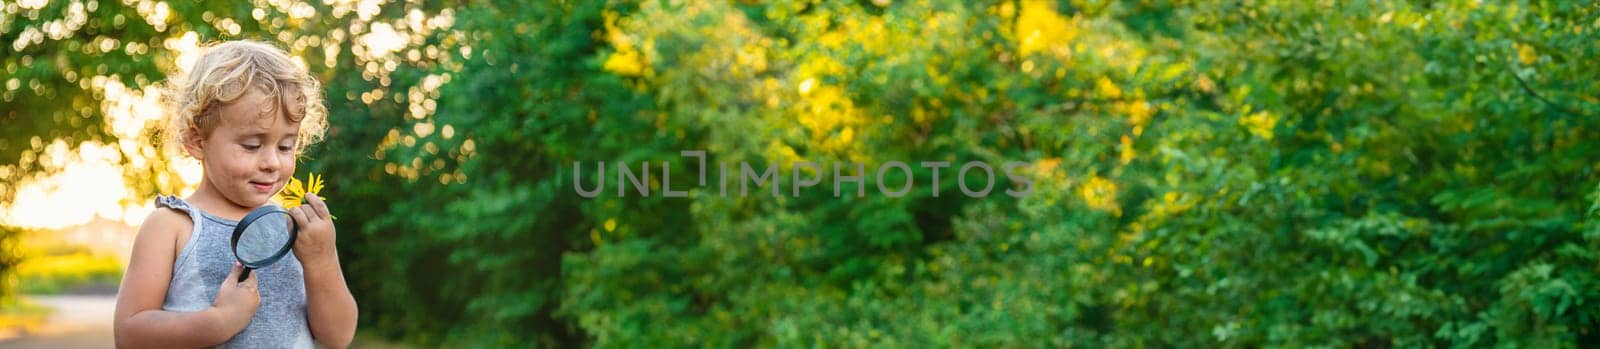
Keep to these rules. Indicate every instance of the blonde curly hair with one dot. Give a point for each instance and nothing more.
(227, 71)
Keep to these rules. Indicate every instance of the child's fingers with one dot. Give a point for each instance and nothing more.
(233, 275)
(249, 282)
(299, 216)
(318, 205)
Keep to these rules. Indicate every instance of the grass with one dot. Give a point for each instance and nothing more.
(18, 317)
(61, 273)
(50, 266)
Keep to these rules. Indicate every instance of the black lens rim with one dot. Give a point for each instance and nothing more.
(238, 230)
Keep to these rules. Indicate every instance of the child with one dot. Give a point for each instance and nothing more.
(245, 111)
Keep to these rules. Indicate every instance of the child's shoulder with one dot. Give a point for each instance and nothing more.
(167, 217)
(166, 223)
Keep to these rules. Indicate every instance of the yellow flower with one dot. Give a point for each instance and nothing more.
(1100, 194)
(295, 193)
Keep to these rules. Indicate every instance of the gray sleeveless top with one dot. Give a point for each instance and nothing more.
(207, 258)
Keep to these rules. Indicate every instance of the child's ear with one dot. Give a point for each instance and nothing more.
(194, 143)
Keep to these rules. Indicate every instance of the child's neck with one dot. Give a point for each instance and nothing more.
(208, 199)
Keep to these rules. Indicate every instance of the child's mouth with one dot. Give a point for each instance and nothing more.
(261, 187)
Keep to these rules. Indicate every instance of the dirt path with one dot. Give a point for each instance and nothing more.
(79, 321)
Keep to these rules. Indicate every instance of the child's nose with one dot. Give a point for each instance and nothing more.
(270, 162)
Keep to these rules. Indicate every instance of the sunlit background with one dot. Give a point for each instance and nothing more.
(90, 181)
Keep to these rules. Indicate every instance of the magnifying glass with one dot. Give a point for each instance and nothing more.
(263, 237)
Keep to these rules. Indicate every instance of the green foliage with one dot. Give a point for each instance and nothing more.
(1333, 174)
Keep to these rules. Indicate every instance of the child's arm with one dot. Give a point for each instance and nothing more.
(330, 309)
(140, 322)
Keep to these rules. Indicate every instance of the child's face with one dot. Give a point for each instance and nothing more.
(250, 155)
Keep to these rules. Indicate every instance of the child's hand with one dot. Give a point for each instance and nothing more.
(237, 301)
(315, 243)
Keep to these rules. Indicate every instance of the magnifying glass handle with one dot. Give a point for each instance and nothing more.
(244, 274)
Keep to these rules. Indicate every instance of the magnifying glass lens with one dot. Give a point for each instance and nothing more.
(263, 238)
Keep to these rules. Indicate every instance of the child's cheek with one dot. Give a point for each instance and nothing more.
(287, 171)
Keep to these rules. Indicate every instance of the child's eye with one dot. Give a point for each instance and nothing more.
(251, 146)
(285, 148)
